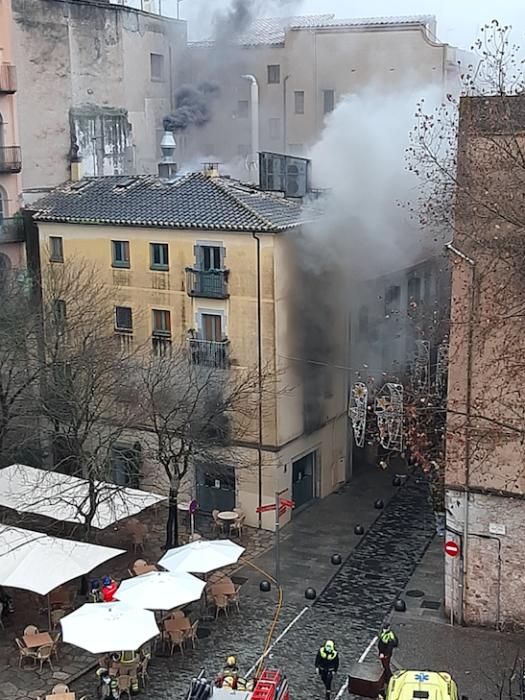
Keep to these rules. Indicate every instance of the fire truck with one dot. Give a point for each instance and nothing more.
(270, 685)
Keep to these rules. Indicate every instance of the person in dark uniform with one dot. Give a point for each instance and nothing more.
(326, 664)
(386, 644)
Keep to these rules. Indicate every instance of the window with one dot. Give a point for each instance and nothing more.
(161, 323)
(209, 257)
(392, 299)
(274, 74)
(211, 327)
(159, 256)
(56, 249)
(299, 101)
(59, 314)
(120, 253)
(243, 109)
(274, 127)
(414, 290)
(123, 319)
(328, 101)
(156, 66)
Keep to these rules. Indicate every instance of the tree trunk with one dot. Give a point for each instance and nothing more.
(172, 523)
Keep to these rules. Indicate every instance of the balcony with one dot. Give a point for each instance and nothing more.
(7, 79)
(10, 159)
(212, 284)
(210, 353)
(12, 230)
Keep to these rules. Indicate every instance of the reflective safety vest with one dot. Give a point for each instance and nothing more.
(329, 655)
(387, 636)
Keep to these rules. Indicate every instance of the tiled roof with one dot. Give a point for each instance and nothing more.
(193, 201)
(272, 30)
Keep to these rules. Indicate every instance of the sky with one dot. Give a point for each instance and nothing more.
(458, 20)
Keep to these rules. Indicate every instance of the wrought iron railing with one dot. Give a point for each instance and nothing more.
(10, 159)
(7, 79)
(212, 284)
(210, 353)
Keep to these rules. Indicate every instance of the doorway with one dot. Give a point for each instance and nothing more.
(215, 487)
(303, 479)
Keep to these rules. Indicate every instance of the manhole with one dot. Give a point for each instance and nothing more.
(431, 604)
(415, 593)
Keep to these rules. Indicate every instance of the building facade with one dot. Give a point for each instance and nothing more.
(201, 260)
(484, 478)
(94, 81)
(303, 66)
(11, 250)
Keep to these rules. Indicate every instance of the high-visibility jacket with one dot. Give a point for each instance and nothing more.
(387, 642)
(327, 660)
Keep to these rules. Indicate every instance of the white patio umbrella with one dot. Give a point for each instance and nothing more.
(160, 590)
(65, 497)
(40, 563)
(202, 556)
(106, 627)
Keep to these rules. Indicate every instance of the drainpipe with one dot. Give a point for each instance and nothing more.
(285, 115)
(470, 344)
(259, 381)
(254, 99)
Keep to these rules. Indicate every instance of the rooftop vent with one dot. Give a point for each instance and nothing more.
(210, 169)
(167, 166)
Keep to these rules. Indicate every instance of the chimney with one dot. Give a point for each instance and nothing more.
(167, 166)
(210, 169)
(75, 162)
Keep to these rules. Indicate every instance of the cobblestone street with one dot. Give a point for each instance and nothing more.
(349, 610)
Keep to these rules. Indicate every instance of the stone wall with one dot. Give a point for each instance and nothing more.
(494, 592)
(84, 78)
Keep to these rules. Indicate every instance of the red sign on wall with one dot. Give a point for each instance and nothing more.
(451, 548)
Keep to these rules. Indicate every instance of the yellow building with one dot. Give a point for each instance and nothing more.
(193, 259)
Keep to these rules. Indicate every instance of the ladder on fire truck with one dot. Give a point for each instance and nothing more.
(271, 685)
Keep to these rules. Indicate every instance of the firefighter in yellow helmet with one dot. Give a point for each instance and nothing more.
(326, 664)
(230, 674)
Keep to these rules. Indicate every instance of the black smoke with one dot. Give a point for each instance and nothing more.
(193, 106)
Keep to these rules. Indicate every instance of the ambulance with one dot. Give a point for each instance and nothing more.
(421, 685)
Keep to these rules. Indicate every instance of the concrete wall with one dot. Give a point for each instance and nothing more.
(84, 76)
(345, 60)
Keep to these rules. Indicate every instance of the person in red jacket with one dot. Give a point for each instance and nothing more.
(109, 588)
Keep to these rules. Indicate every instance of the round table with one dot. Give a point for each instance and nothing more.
(229, 517)
(184, 505)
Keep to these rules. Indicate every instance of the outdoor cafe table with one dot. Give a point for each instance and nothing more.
(223, 588)
(37, 640)
(61, 696)
(229, 517)
(177, 623)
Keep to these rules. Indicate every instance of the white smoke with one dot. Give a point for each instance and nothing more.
(360, 158)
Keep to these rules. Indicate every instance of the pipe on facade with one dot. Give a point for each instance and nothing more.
(470, 344)
(285, 114)
(259, 379)
(254, 103)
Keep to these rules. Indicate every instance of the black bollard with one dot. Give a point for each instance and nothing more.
(396, 481)
(359, 530)
(379, 504)
(310, 594)
(400, 605)
(336, 559)
(265, 586)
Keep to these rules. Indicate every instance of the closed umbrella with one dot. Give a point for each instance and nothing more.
(160, 590)
(106, 627)
(202, 556)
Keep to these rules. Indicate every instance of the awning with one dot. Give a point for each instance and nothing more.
(40, 563)
(66, 498)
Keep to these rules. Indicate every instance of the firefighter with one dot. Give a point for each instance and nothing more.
(230, 674)
(326, 664)
(386, 644)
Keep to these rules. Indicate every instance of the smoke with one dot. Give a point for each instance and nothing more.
(192, 106)
(364, 231)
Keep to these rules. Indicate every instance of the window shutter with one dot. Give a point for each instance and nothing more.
(199, 256)
(223, 256)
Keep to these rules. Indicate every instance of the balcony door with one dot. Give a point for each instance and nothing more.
(209, 261)
(211, 328)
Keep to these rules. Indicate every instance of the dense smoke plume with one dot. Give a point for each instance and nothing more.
(192, 106)
(365, 231)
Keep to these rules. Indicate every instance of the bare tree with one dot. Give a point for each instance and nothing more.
(197, 413)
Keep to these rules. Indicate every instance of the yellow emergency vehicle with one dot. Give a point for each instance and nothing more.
(421, 685)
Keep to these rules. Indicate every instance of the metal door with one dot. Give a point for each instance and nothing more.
(303, 473)
(215, 487)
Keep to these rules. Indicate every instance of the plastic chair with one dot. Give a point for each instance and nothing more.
(31, 629)
(25, 653)
(237, 524)
(60, 688)
(176, 639)
(235, 598)
(192, 634)
(143, 670)
(219, 525)
(43, 655)
(124, 685)
(221, 603)
(56, 637)
(56, 616)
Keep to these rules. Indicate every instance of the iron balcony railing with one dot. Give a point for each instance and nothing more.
(210, 353)
(12, 230)
(7, 79)
(10, 159)
(212, 284)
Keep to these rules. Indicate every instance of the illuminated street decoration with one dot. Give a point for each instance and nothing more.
(357, 412)
(441, 368)
(421, 367)
(389, 414)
